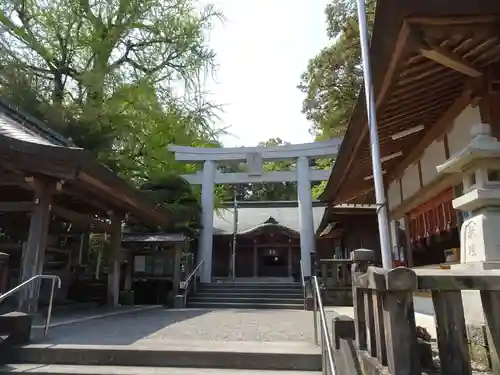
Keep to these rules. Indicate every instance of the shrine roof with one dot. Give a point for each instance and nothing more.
(30, 148)
(154, 237)
(426, 58)
(252, 218)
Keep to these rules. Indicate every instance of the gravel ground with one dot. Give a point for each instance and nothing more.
(183, 325)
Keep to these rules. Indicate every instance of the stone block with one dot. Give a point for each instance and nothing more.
(478, 345)
(18, 327)
(425, 354)
(343, 328)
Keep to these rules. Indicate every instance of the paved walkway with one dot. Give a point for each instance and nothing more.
(189, 325)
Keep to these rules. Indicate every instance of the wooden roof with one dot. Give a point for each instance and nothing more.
(429, 60)
(28, 148)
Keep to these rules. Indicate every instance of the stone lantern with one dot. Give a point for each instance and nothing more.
(479, 166)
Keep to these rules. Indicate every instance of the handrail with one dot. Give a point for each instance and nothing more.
(303, 281)
(326, 340)
(186, 283)
(29, 281)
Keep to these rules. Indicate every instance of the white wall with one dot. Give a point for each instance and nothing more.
(394, 194)
(410, 181)
(459, 136)
(434, 155)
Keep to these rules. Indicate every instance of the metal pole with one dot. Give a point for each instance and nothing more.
(383, 222)
(49, 312)
(235, 231)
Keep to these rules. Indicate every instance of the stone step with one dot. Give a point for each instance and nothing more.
(252, 285)
(258, 294)
(249, 290)
(245, 299)
(246, 305)
(213, 354)
(41, 369)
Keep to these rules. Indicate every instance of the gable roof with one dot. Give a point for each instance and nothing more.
(252, 218)
(28, 145)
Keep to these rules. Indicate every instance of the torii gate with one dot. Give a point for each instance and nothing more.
(254, 157)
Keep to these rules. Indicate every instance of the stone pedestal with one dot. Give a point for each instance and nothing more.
(479, 166)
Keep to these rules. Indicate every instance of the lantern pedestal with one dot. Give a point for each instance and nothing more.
(479, 166)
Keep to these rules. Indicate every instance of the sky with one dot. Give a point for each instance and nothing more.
(263, 47)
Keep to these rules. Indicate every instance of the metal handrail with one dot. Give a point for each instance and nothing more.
(303, 281)
(326, 340)
(29, 281)
(186, 283)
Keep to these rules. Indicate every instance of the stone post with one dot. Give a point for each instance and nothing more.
(207, 221)
(306, 223)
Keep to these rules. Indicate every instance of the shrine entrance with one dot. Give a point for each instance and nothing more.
(269, 250)
(272, 262)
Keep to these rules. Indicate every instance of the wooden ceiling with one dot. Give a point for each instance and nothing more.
(426, 70)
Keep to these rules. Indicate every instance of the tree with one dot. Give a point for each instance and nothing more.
(333, 77)
(275, 191)
(176, 195)
(120, 77)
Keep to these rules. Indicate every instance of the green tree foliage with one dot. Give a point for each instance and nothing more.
(334, 76)
(120, 77)
(176, 195)
(277, 191)
(283, 191)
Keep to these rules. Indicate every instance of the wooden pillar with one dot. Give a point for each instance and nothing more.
(177, 268)
(290, 266)
(33, 255)
(114, 260)
(129, 270)
(255, 260)
(409, 253)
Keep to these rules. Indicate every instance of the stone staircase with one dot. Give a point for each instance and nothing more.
(248, 295)
(190, 358)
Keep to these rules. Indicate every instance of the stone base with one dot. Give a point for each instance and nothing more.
(17, 327)
(478, 345)
(474, 316)
(309, 303)
(127, 298)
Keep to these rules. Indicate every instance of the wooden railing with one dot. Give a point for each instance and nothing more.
(336, 280)
(385, 333)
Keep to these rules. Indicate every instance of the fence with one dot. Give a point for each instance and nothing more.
(383, 334)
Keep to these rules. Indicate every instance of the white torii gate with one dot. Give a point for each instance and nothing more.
(254, 157)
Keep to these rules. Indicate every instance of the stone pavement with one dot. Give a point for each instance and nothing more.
(159, 324)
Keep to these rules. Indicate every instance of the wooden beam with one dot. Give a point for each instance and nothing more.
(450, 60)
(435, 131)
(80, 220)
(24, 206)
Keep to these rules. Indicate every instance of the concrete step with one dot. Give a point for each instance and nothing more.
(246, 305)
(236, 294)
(133, 370)
(215, 355)
(253, 299)
(248, 290)
(252, 286)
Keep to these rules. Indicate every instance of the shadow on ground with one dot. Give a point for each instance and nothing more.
(123, 329)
